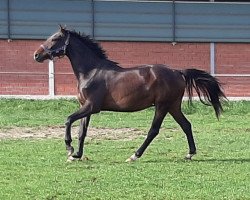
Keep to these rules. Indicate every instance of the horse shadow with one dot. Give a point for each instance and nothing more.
(230, 160)
(208, 160)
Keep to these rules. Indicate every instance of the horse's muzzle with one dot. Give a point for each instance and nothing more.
(39, 55)
(38, 58)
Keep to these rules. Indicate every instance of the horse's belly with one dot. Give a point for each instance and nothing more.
(129, 103)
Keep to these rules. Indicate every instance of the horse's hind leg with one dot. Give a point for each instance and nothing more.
(186, 127)
(160, 113)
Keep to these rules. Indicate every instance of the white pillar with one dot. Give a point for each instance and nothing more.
(212, 58)
(51, 79)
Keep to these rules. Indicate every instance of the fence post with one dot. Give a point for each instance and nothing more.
(212, 58)
(173, 23)
(51, 79)
(212, 55)
(93, 17)
(8, 20)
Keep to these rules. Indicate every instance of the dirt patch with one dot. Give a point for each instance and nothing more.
(58, 132)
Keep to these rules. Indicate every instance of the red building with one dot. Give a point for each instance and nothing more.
(206, 35)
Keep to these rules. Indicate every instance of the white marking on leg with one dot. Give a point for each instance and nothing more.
(189, 156)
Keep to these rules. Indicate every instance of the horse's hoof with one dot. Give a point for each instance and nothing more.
(129, 160)
(133, 158)
(75, 158)
(71, 159)
(189, 156)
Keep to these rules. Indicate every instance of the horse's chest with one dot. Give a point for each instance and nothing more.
(81, 99)
(83, 90)
(84, 84)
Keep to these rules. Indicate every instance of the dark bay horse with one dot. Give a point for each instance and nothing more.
(104, 86)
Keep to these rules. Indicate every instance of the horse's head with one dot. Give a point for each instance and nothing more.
(54, 46)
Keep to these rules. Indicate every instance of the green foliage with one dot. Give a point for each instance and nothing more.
(37, 169)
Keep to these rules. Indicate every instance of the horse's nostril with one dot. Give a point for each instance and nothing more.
(36, 56)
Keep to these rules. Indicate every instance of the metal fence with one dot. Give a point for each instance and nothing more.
(128, 20)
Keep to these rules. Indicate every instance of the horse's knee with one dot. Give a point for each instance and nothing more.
(68, 121)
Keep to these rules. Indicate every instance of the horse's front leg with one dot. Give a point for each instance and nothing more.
(84, 111)
(68, 140)
(84, 123)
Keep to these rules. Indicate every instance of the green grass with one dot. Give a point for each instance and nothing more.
(32, 113)
(36, 169)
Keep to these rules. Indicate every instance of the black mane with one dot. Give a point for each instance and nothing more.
(91, 43)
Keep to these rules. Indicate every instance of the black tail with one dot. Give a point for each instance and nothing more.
(205, 85)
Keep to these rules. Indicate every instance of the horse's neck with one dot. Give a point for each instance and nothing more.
(82, 60)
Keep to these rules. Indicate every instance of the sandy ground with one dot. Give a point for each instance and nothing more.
(58, 132)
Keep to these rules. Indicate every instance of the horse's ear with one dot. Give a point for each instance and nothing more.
(62, 29)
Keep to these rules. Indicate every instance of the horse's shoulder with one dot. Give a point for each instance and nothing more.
(85, 81)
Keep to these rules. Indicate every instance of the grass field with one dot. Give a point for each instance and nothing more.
(36, 168)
